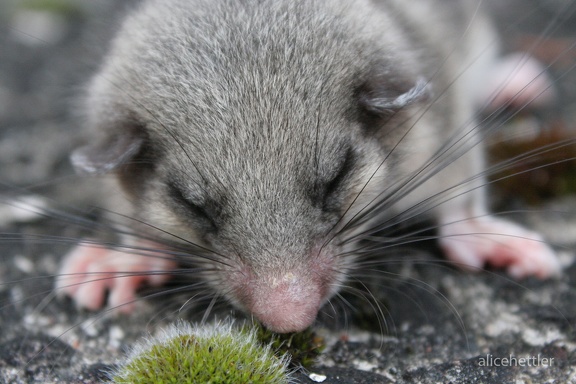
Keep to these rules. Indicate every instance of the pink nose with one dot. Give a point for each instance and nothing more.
(286, 305)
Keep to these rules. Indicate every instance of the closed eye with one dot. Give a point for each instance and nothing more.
(328, 194)
(197, 212)
(334, 185)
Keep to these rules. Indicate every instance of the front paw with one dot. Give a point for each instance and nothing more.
(473, 243)
(89, 273)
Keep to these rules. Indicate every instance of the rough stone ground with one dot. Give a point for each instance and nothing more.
(442, 324)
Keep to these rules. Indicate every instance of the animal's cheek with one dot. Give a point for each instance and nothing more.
(160, 220)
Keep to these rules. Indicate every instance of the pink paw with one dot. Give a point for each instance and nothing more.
(518, 80)
(90, 271)
(472, 243)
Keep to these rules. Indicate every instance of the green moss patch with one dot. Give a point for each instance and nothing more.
(210, 354)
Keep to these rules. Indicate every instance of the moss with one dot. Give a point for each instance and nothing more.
(212, 354)
(303, 347)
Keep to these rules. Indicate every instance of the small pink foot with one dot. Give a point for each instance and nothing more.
(472, 243)
(518, 80)
(89, 271)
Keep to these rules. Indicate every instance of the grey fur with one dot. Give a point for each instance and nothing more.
(243, 112)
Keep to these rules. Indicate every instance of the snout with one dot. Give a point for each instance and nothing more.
(286, 304)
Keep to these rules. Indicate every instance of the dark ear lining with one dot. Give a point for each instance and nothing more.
(114, 150)
(380, 102)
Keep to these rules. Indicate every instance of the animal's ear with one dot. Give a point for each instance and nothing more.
(109, 153)
(384, 98)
